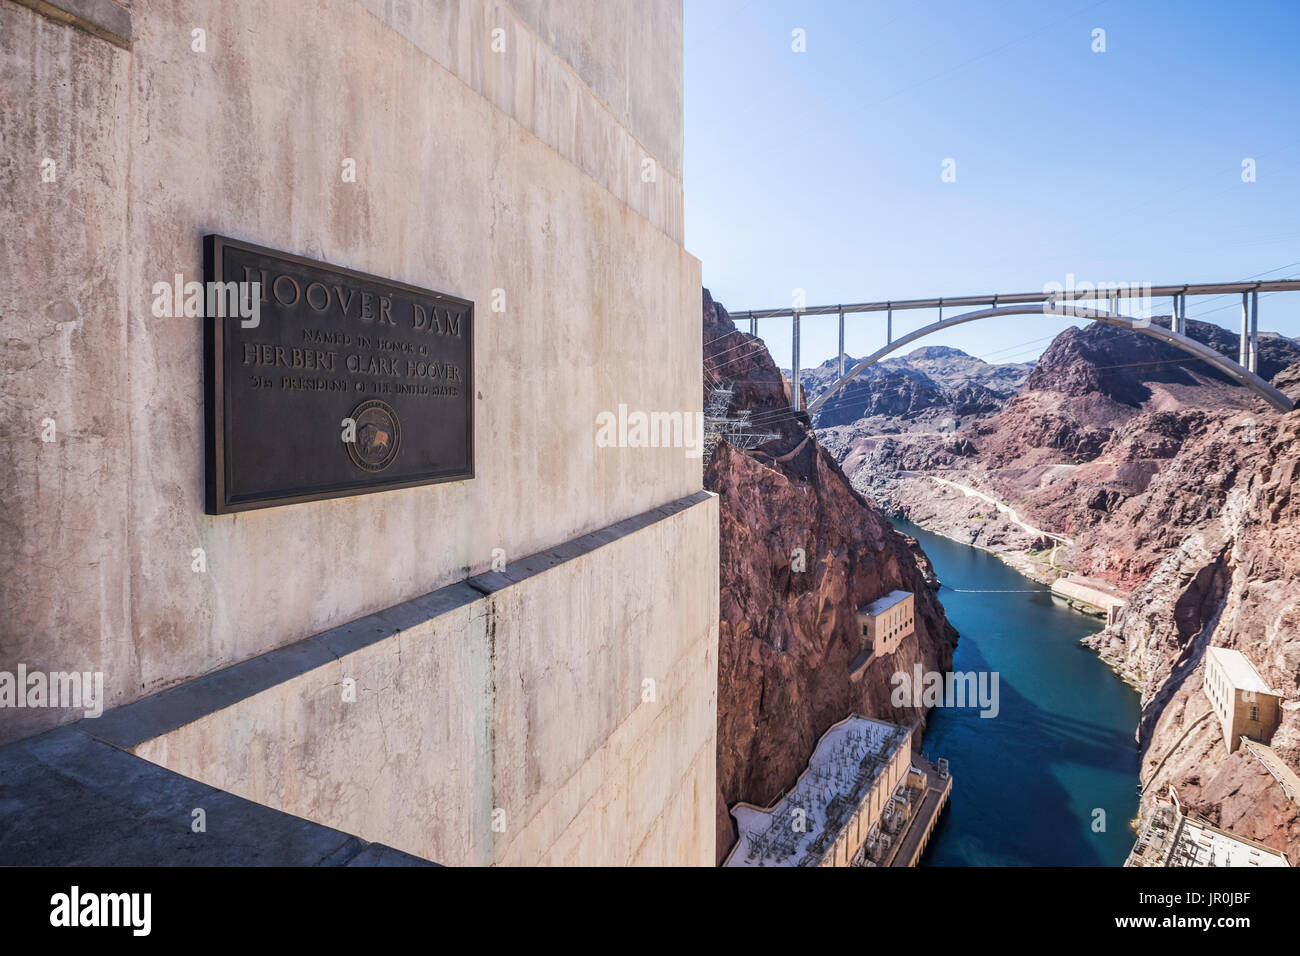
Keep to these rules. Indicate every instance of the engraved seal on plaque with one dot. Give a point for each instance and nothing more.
(378, 435)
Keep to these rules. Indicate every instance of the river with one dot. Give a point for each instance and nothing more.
(1027, 784)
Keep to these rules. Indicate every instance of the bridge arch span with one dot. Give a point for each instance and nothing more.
(1143, 326)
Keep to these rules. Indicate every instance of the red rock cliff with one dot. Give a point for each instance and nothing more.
(1233, 580)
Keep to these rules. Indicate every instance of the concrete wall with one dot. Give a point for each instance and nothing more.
(476, 171)
(549, 170)
(577, 703)
(1081, 592)
(1239, 723)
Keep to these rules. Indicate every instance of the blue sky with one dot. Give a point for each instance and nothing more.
(821, 170)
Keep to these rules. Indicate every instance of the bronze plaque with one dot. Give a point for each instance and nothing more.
(329, 382)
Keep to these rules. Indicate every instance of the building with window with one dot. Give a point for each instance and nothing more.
(886, 621)
(1244, 704)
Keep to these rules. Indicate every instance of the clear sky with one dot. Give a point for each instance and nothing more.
(821, 170)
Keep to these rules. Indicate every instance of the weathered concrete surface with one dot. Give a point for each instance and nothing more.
(600, 83)
(67, 799)
(63, 504)
(476, 171)
(561, 713)
(104, 19)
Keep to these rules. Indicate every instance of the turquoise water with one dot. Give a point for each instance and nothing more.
(1027, 783)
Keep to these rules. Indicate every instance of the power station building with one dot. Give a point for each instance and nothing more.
(1244, 704)
(470, 632)
(865, 800)
(848, 796)
(886, 621)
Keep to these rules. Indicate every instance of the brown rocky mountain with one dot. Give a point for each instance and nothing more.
(800, 552)
(1080, 451)
(1161, 476)
(932, 386)
(1229, 577)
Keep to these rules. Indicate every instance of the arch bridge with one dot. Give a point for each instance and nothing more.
(1062, 304)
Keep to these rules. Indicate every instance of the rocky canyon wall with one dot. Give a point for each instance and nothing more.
(1160, 477)
(800, 552)
(1233, 581)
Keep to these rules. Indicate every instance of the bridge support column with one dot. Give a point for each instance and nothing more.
(889, 326)
(753, 326)
(1254, 332)
(841, 343)
(1244, 353)
(794, 363)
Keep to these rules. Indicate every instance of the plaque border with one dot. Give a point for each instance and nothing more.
(217, 498)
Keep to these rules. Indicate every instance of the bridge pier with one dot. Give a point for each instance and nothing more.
(841, 342)
(1254, 332)
(794, 363)
(1244, 352)
(1178, 319)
